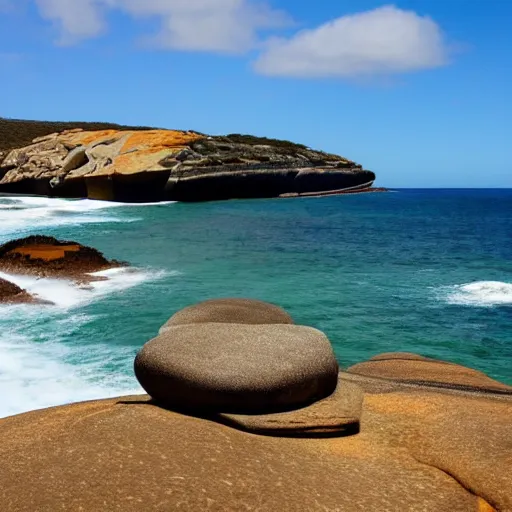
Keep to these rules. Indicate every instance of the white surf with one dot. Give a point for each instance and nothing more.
(22, 214)
(481, 293)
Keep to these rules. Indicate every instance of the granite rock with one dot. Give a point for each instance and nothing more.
(132, 455)
(231, 311)
(415, 369)
(335, 416)
(237, 367)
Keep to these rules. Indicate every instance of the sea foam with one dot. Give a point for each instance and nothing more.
(67, 294)
(35, 374)
(46, 357)
(37, 369)
(22, 214)
(481, 293)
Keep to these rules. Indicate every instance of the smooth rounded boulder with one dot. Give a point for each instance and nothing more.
(216, 367)
(231, 311)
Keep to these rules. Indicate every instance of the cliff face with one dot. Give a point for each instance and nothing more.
(150, 165)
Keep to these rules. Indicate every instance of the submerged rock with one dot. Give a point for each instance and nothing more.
(135, 165)
(45, 256)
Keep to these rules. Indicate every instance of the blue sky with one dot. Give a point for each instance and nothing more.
(418, 91)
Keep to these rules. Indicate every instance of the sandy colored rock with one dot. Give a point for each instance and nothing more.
(419, 448)
(237, 368)
(46, 256)
(468, 436)
(126, 454)
(413, 368)
(336, 415)
(231, 311)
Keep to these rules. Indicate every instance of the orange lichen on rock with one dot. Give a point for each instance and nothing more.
(483, 506)
(46, 256)
(159, 140)
(135, 162)
(87, 138)
(45, 252)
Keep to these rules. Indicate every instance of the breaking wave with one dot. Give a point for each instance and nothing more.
(37, 368)
(68, 294)
(20, 214)
(35, 374)
(481, 293)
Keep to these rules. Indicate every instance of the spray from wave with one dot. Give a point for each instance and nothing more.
(20, 214)
(38, 368)
(480, 293)
(46, 356)
(36, 373)
(68, 294)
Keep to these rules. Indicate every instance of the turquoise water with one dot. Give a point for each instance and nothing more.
(413, 270)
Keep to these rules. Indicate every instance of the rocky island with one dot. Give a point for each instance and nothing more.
(127, 164)
(248, 411)
(45, 256)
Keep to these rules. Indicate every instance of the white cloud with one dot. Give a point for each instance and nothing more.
(382, 41)
(224, 26)
(76, 19)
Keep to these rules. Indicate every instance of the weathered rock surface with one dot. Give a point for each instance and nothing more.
(465, 433)
(418, 449)
(145, 165)
(230, 311)
(46, 256)
(400, 432)
(414, 369)
(237, 368)
(10, 293)
(337, 415)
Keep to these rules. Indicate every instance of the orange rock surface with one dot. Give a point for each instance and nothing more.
(46, 256)
(45, 252)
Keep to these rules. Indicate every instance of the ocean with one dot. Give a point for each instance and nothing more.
(425, 271)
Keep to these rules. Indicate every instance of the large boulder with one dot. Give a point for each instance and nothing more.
(231, 311)
(237, 368)
(45, 256)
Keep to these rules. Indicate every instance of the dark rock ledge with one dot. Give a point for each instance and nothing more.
(45, 256)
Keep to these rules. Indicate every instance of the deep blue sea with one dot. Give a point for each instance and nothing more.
(426, 271)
